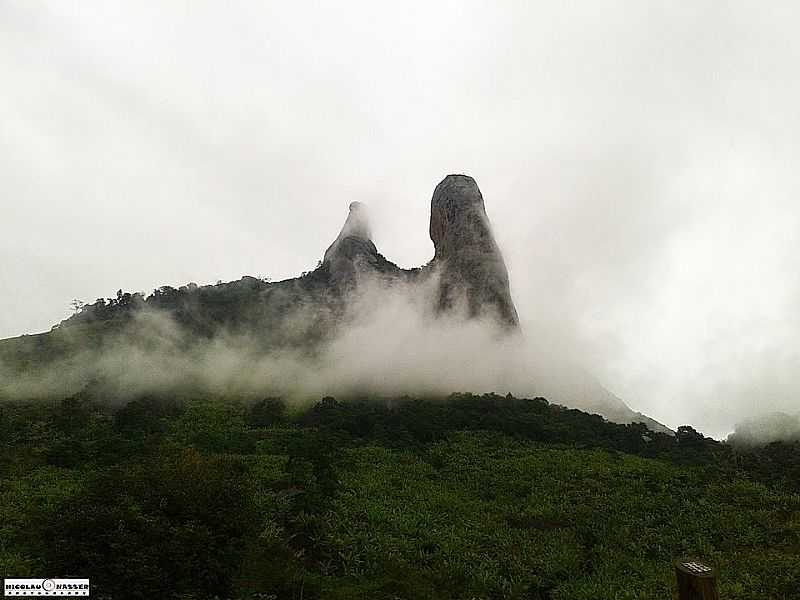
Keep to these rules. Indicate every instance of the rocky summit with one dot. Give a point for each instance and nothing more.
(466, 279)
(467, 267)
(353, 250)
(467, 272)
(467, 258)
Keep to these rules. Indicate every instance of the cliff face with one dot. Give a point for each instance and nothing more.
(469, 262)
(353, 255)
(468, 266)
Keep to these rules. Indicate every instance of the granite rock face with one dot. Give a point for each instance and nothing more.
(467, 258)
(356, 228)
(353, 251)
(468, 266)
(353, 257)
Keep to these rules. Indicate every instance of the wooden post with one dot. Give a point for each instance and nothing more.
(696, 580)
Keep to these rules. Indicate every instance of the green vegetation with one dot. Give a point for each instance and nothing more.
(469, 497)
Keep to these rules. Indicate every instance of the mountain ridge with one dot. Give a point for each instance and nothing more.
(466, 278)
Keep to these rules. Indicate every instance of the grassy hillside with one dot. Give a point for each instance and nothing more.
(472, 497)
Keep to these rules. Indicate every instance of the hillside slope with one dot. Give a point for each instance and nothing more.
(472, 497)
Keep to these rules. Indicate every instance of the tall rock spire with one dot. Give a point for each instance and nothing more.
(357, 228)
(468, 260)
(353, 253)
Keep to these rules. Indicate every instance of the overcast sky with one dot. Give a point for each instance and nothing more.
(639, 162)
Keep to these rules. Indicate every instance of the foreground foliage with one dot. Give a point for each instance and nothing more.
(472, 497)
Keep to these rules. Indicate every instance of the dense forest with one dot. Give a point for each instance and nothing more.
(464, 497)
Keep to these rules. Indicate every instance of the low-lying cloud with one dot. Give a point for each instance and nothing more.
(389, 343)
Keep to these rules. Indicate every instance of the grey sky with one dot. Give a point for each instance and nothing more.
(638, 161)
